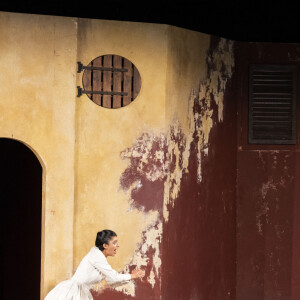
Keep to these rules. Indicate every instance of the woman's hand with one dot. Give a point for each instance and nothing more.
(137, 273)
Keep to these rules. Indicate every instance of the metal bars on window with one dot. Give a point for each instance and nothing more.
(110, 81)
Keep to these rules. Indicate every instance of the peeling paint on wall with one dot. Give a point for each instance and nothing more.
(199, 217)
(146, 257)
(152, 180)
(178, 154)
(220, 64)
(144, 178)
(157, 162)
(143, 182)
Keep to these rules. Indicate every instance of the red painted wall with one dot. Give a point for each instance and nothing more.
(198, 260)
(268, 215)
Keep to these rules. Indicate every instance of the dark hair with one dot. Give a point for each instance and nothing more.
(103, 237)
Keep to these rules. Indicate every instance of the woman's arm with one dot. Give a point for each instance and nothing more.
(111, 276)
(98, 261)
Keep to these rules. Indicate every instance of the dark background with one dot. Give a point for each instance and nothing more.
(20, 221)
(251, 20)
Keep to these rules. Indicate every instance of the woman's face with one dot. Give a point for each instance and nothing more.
(111, 248)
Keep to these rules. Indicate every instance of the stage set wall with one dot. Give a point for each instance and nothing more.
(164, 172)
(125, 169)
(267, 192)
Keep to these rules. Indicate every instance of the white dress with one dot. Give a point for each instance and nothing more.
(92, 269)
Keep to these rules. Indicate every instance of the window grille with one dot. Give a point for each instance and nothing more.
(110, 81)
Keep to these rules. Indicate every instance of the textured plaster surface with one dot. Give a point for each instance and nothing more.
(37, 103)
(198, 232)
(159, 159)
(120, 155)
(199, 107)
(121, 169)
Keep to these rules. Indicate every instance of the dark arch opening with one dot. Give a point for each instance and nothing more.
(21, 213)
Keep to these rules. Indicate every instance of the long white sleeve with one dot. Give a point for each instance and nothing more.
(99, 261)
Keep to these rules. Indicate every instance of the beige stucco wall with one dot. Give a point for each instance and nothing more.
(37, 104)
(79, 143)
(101, 134)
(187, 53)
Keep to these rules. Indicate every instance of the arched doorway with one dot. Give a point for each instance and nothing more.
(21, 212)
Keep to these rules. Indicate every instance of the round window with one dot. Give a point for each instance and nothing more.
(111, 81)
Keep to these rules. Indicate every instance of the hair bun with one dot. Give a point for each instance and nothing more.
(103, 237)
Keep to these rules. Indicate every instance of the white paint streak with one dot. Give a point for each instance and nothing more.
(220, 65)
(266, 187)
(151, 279)
(263, 212)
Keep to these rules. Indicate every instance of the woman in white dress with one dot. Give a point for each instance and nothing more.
(92, 269)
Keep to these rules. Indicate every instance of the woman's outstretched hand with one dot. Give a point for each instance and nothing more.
(137, 273)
